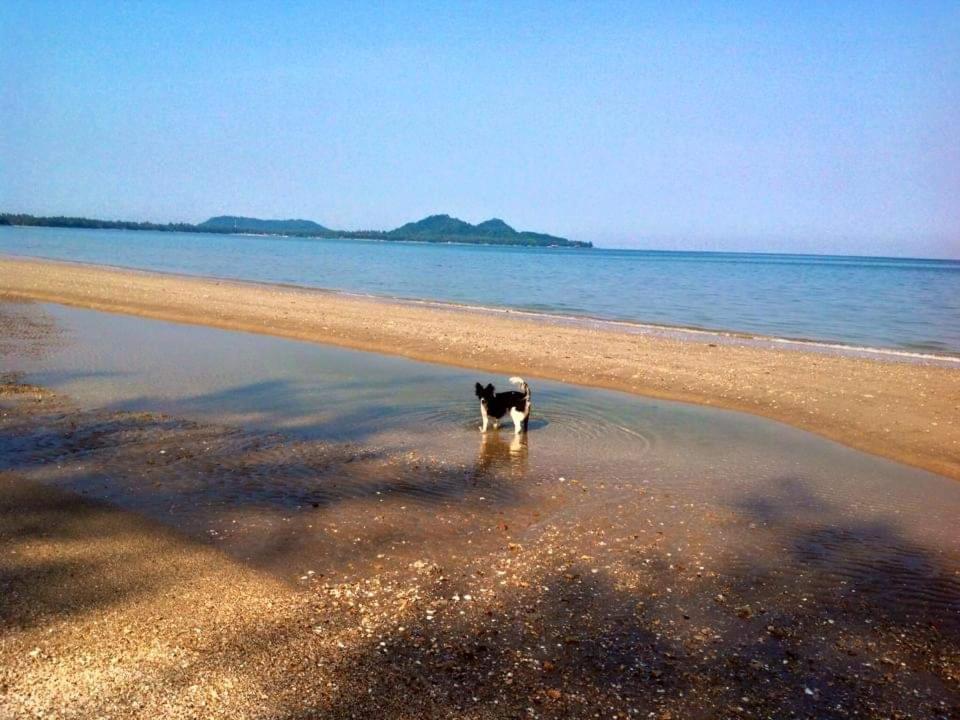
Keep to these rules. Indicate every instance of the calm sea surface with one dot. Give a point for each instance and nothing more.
(902, 304)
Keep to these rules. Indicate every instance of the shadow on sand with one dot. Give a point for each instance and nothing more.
(832, 616)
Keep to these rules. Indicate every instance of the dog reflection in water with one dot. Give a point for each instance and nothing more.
(499, 455)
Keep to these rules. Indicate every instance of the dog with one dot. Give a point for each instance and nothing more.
(494, 405)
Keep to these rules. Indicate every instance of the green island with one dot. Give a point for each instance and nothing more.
(434, 229)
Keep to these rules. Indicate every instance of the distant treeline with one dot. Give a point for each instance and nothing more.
(79, 222)
(436, 228)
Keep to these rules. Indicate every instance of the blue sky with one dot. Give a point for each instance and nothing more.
(803, 127)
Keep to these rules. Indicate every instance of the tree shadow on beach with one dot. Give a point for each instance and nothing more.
(346, 410)
(748, 642)
(200, 478)
(862, 561)
(63, 555)
(570, 642)
(646, 634)
(808, 609)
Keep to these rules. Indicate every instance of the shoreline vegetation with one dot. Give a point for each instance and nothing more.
(904, 411)
(433, 229)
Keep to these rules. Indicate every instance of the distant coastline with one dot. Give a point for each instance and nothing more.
(432, 229)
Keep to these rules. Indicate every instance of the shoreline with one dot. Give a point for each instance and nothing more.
(677, 332)
(905, 411)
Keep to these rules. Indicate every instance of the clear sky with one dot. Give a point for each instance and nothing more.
(810, 127)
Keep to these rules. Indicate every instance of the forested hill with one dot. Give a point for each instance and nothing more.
(435, 228)
(233, 223)
(443, 228)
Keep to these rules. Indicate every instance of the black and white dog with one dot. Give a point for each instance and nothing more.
(494, 405)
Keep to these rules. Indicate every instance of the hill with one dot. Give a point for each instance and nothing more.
(233, 223)
(443, 228)
(435, 228)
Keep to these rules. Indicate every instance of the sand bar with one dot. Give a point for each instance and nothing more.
(905, 411)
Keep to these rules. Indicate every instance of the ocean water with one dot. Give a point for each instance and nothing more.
(902, 304)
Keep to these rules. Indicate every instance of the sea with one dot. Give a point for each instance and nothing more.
(894, 306)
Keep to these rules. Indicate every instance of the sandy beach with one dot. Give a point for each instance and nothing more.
(130, 590)
(630, 559)
(906, 411)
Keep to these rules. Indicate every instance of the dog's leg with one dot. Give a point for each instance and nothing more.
(519, 419)
(484, 417)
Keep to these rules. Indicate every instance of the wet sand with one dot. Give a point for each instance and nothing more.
(634, 603)
(901, 410)
(693, 563)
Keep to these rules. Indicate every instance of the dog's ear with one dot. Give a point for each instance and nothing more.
(479, 390)
(490, 390)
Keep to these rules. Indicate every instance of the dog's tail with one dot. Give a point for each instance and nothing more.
(523, 385)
